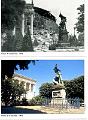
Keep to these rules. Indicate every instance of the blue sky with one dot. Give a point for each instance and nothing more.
(43, 71)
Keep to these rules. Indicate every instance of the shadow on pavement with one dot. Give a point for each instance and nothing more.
(14, 110)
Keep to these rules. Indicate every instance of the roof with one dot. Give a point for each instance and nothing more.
(21, 76)
(44, 13)
(41, 12)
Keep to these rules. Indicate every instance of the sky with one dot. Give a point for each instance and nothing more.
(67, 7)
(43, 71)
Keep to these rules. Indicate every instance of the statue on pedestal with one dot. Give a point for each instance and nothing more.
(58, 90)
(63, 33)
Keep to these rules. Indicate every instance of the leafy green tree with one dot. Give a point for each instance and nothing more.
(8, 67)
(80, 23)
(27, 43)
(37, 100)
(18, 89)
(11, 91)
(75, 88)
(46, 90)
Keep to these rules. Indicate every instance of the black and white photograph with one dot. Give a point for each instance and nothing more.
(42, 25)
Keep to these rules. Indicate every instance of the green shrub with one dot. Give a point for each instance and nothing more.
(38, 100)
(24, 101)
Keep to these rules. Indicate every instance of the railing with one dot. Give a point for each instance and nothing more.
(62, 103)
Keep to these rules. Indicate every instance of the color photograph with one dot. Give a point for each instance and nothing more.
(42, 87)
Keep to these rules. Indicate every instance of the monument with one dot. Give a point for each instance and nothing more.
(63, 33)
(58, 91)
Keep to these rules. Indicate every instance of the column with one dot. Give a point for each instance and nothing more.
(25, 89)
(27, 86)
(32, 23)
(30, 87)
(14, 30)
(23, 25)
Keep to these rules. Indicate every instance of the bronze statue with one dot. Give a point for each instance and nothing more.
(63, 33)
(56, 69)
(58, 78)
(62, 17)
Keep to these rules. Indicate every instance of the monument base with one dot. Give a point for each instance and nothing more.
(63, 45)
(58, 101)
(59, 94)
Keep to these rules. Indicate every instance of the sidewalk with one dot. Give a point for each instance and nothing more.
(49, 110)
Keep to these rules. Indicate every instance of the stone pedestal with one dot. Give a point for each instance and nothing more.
(63, 40)
(58, 94)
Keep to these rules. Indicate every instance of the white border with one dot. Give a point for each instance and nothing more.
(53, 56)
(51, 116)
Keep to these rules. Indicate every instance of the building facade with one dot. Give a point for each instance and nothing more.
(28, 84)
(38, 18)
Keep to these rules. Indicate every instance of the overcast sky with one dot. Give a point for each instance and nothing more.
(67, 7)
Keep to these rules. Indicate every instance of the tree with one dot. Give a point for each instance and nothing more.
(46, 90)
(11, 15)
(72, 40)
(8, 67)
(37, 100)
(27, 43)
(11, 91)
(80, 23)
(75, 88)
(8, 45)
(81, 39)
(18, 41)
(11, 12)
